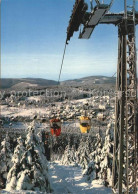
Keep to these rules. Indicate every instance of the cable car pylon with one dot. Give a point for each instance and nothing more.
(124, 172)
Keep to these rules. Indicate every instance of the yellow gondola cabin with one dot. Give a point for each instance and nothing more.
(85, 124)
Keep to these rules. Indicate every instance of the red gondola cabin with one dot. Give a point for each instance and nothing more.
(55, 127)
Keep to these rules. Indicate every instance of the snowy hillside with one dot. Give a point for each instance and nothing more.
(69, 179)
(34, 161)
(83, 166)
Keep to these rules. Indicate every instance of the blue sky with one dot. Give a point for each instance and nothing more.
(33, 34)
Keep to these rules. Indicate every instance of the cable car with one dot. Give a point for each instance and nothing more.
(55, 127)
(85, 124)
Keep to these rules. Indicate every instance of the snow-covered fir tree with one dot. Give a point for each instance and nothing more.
(5, 160)
(82, 154)
(94, 157)
(90, 172)
(16, 159)
(107, 156)
(69, 157)
(29, 170)
(100, 166)
(78, 154)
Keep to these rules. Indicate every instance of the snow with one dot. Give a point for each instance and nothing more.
(34, 98)
(69, 179)
(80, 101)
(20, 192)
(29, 170)
(17, 111)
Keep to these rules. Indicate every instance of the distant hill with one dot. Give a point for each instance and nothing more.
(90, 80)
(6, 83)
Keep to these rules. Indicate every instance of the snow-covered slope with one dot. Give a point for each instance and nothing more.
(69, 179)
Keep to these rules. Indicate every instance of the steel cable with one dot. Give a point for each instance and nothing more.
(62, 62)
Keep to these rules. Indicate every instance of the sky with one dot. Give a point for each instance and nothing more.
(33, 34)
